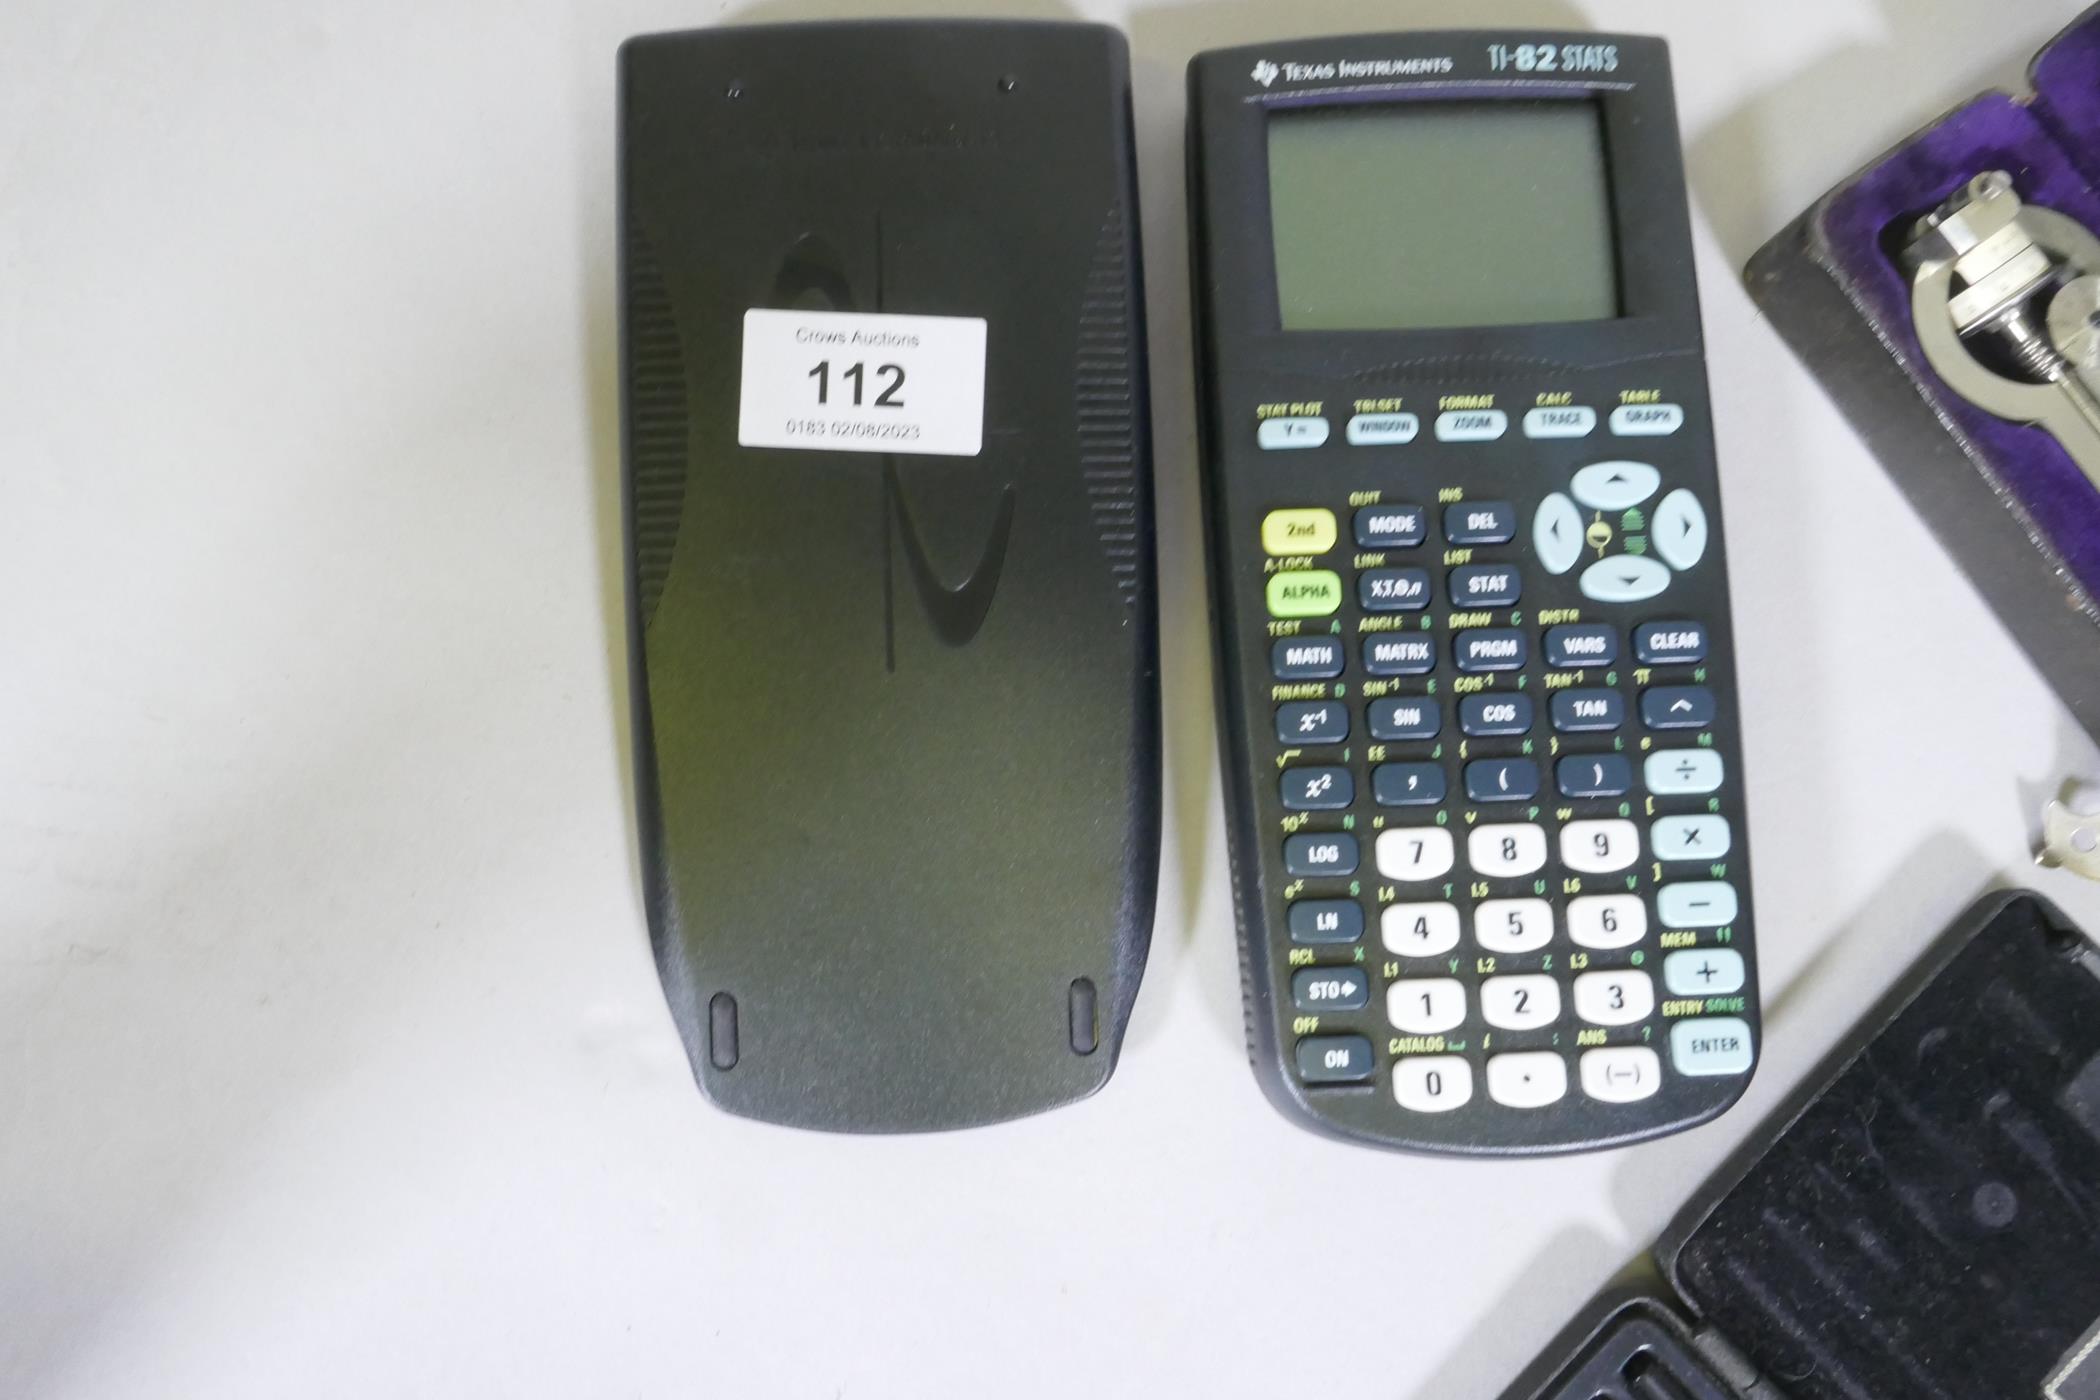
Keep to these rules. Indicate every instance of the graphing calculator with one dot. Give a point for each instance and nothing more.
(1475, 668)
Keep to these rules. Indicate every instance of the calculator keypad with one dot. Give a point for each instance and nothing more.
(1519, 796)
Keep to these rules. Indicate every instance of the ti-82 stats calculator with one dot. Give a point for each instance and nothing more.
(1476, 677)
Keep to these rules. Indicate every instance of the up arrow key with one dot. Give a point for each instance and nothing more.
(1677, 707)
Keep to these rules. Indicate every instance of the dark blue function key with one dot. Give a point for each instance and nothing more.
(1391, 527)
(1393, 590)
(1407, 785)
(1480, 522)
(1410, 717)
(1670, 643)
(1502, 780)
(1334, 1059)
(1491, 649)
(1485, 716)
(1399, 654)
(1326, 921)
(1312, 722)
(1594, 775)
(1306, 658)
(1485, 586)
(1317, 789)
(1677, 707)
(1320, 853)
(1330, 989)
(1579, 644)
(1587, 711)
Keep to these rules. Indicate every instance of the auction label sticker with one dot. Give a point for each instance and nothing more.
(844, 381)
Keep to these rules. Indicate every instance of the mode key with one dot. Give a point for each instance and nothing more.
(1391, 527)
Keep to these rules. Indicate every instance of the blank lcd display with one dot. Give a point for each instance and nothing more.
(1412, 215)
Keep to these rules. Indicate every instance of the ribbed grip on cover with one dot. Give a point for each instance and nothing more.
(1105, 398)
(656, 421)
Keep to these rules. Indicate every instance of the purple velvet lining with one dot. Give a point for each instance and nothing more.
(1993, 132)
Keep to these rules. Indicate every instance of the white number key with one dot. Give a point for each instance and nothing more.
(1419, 930)
(1530, 1080)
(1607, 920)
(1614, 998)
(1415, 853)
(1426, 1005)
(1432, 1083)
(1600, 847)
(1514, 848)
(1621, 1073)
(1513, 925)
(1520, 1003)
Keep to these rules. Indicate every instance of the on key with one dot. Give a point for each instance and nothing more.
(1334, 1059)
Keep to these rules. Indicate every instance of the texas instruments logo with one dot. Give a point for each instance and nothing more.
(1351, 69)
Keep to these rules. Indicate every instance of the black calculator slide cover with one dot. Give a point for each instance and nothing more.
(1925, 1223)
(897, 728)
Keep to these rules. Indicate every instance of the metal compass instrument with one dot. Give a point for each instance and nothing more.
(2006, 299)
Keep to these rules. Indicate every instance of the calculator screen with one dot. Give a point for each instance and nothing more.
(1417, 215)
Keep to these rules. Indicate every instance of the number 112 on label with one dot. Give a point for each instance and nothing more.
(891, 379)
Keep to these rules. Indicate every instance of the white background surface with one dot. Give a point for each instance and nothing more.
(332, 1061)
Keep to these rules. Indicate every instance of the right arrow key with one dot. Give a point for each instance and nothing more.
(1679, 530)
